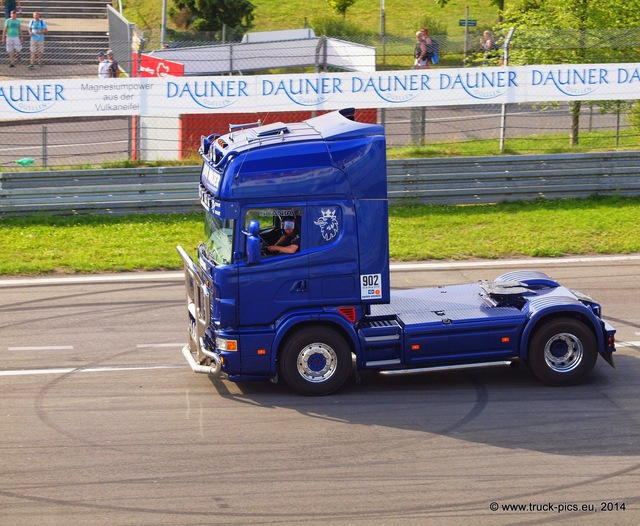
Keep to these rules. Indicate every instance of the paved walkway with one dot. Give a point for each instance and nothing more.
(47, 71)
(69, 25)
(57, 25)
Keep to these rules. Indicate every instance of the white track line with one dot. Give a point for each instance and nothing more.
(106, 369)
(627, 344)
(159, 345)
(67, 370)
(42, 348)
(398, 267)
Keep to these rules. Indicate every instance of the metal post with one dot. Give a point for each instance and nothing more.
(44, 145)
(321, 55)
(130, 135)
(418, 125)
(466, 36)
(163, 27)
(136, 142)
(320, 59)
(618, 106)
(383, 33)
(503, 115)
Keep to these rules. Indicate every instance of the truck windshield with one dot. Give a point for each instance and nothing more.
(218, 238)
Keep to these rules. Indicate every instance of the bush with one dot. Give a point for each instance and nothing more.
(333, 26)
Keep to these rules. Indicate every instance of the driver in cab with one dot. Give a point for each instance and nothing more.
(289, 243)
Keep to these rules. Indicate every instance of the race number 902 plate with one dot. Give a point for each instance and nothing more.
(370, 286)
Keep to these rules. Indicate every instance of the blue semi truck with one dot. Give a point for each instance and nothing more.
(324, 309)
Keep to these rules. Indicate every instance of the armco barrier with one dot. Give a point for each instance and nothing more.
(465, 180)
(460, 180)
(114, 191)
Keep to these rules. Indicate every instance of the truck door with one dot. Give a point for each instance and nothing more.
(333, 254)
(279, 282)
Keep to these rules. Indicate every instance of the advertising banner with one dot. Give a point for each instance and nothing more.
(173, 95)
(151, 66)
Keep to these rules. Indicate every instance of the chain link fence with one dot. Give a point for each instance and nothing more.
(537, 46)
(83, 142)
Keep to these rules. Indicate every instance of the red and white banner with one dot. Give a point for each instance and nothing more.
(151, 66)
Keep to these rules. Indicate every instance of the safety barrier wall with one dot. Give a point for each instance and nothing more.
(466, 180)
(461, 180)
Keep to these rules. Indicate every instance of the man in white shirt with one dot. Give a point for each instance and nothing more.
(103, 66)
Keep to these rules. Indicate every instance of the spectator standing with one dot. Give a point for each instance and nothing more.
(420, 52)
(103, 66)
(11, 5)
(432, 47)
(489, 46)
(37, 30)
(12, 37)
(114, 69)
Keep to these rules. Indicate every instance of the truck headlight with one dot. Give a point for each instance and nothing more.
(223, 344)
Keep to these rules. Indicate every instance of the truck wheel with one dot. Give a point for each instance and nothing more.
(315, 361)
(562, 352)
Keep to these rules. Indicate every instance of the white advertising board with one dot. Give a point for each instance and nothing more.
(172, 96)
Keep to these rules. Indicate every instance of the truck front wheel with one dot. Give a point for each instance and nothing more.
(315, 361)
(562, 352)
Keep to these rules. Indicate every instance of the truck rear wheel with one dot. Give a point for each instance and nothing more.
(562, 352)
(315, 361)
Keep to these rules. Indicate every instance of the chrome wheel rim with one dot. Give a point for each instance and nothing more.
(317, 362)
(563, 353)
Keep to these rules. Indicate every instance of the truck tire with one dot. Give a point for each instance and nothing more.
(562, 352)
(315, 362)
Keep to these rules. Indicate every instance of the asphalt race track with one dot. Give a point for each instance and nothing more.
(104, 423)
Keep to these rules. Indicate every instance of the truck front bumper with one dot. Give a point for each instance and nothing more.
(199, 356)
(214, 368)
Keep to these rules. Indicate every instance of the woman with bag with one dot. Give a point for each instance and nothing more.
(432, 47)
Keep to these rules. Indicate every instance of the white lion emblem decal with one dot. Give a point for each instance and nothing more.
(328, 224)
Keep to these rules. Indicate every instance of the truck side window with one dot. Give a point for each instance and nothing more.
(279, 229)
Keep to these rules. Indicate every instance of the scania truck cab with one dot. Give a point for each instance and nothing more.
(323, 310)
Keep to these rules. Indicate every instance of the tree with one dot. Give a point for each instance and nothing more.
(341, 6)
(570, 32)
(211, 15)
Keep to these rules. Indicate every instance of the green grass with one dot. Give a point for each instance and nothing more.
(628, 139)
(71, 244)
(402, 17)
(81, 244)
(541, 228)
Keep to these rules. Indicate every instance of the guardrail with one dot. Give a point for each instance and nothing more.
(112, 191)
(465, 180)
(461, 180)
